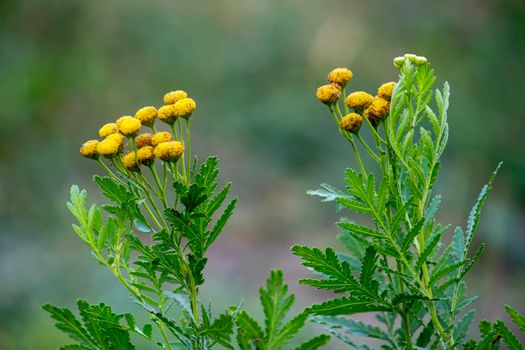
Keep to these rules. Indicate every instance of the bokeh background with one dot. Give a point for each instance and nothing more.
(253, 66)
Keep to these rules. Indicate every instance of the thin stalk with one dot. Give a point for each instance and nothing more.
(188, 143)
(368, 149)
(162, 192)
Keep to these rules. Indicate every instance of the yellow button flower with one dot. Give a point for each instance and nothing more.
(328, 94)
(146, 115)
(358, 100)
(129, 160)
(340, 76)
(108, 148)
(167, 114)
(108, 129)
(118, 138)
(174, 96)
(128, 126)
(385, 90)
(160, 137)
(143, 140)
(89, 149)
(351, 122)
(184, 108)
(169, 151)
(146, 155)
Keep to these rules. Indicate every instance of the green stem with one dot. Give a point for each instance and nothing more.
(162, 192)
(188, 142)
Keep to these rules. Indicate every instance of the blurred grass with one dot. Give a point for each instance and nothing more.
(68, 66)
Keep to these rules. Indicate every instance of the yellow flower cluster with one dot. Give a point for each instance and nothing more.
(374, 108)
(143, 147)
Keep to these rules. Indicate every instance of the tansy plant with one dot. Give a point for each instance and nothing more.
(398, 266)
(164, 211)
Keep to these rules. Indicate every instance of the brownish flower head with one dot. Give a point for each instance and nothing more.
(143, 140)
(358, 100)
(328, 94)
(377, 110)
(385, 90)
(89, 149)
(351, 122)
(340, 76)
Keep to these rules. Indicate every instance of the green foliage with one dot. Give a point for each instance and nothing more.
(98, 327)
(276, 333)
(398, 265)
(163, 271)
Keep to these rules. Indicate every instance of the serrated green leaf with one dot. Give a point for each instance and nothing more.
(347, 306)
(508, 337)
(314, 343)
(517, 318)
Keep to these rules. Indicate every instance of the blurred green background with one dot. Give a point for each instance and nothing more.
(253, 66)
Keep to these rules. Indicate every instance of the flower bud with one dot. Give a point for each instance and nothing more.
(411, 57)
(340, 76)
(169, 151)
(351, 122)
(421, 60)
(399, 61)
(173, 96)
(160, 137)
(328, 94)
(146, 115)
(89, 149)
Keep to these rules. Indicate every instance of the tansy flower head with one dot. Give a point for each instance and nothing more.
(340, 76)
(146, 115)
(160, 137)
(377, 110)
(167, 114)
(128, 126)
(358, 100)
(169, 151)
(183, 108)
(145, 155)
(129, 160)
(143, 140)
(108, 148)
(328, 94)
(108, 129)
(351, 122)
(118, 138)
(174, 96)
(89, 149)
(385, 90)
